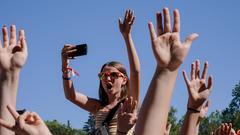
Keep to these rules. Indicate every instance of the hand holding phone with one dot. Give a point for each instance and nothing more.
(78, 50)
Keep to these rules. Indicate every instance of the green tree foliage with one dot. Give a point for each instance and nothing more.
(210, 123)
(57, 128)
(172, 119)
(232, 112)
(89, 126)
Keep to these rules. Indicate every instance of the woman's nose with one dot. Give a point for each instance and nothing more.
(108, 78)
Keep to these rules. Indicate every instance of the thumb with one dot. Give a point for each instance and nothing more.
(190, 39)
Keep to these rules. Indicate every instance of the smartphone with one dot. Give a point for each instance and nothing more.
(80, 50)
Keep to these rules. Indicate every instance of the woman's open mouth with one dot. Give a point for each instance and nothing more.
(109, 86)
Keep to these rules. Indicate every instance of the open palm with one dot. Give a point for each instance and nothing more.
(168, 50)
(126, 25)
(198, 90)
(13, 53)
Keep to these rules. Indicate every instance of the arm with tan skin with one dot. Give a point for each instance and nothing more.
(29, 123)
(81, 100)
(202, 114)
(13, 55)
(169, 53)
(198, 91)
(125, 29)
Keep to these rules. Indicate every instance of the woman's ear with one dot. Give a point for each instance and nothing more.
(125, 79)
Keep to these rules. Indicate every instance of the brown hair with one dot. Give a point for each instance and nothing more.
(103, 97)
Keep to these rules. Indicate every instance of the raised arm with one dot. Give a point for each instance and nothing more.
(13, 55)
(89, 104)
(169, 53)
(198, 91)
(125, 29)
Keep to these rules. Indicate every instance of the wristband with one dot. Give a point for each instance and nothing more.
(121, 132)
(193, 110)
(70, 70)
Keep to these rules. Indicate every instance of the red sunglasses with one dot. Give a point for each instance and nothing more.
(112, 75)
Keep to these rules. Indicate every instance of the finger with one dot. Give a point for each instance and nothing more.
(152, 31)
(186, 78)
(67, 47)
(130, 15)
(125, 105)
(190, 39)
(130, 105)
(193, 70)
(159, 23)
(5, 36)
(36, 117)
(21, 120)
(120, 22)
(176, 25)
(229, 128)
(169, 127)
(30, 118)
(0, 44)
(210, 81)
(13, 112)
(167, 23)
(23, 43)
(5, 124)
(221, 129)
(135, 106)
(121, 109)
(126, 15)
(13, 39)
(204, 74)
(197, 72)
(132, 21)
(208, 103)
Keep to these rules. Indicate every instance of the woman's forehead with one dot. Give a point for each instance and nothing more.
(110, 69)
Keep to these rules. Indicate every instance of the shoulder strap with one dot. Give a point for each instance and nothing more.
(111, 113)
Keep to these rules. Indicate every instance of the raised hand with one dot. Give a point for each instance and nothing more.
(13, 52)
(224, 129)
(28, 123)
(167, 47)
(198, 89)
(127, 115)
(126, 25)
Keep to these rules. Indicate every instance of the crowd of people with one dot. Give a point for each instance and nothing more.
(116, 109)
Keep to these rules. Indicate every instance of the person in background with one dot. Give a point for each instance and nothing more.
(115, 85)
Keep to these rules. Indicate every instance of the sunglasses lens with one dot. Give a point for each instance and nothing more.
(112, 75)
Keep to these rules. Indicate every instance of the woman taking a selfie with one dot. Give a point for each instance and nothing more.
(115, 85)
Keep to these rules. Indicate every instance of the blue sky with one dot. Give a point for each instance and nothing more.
(51, 24)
